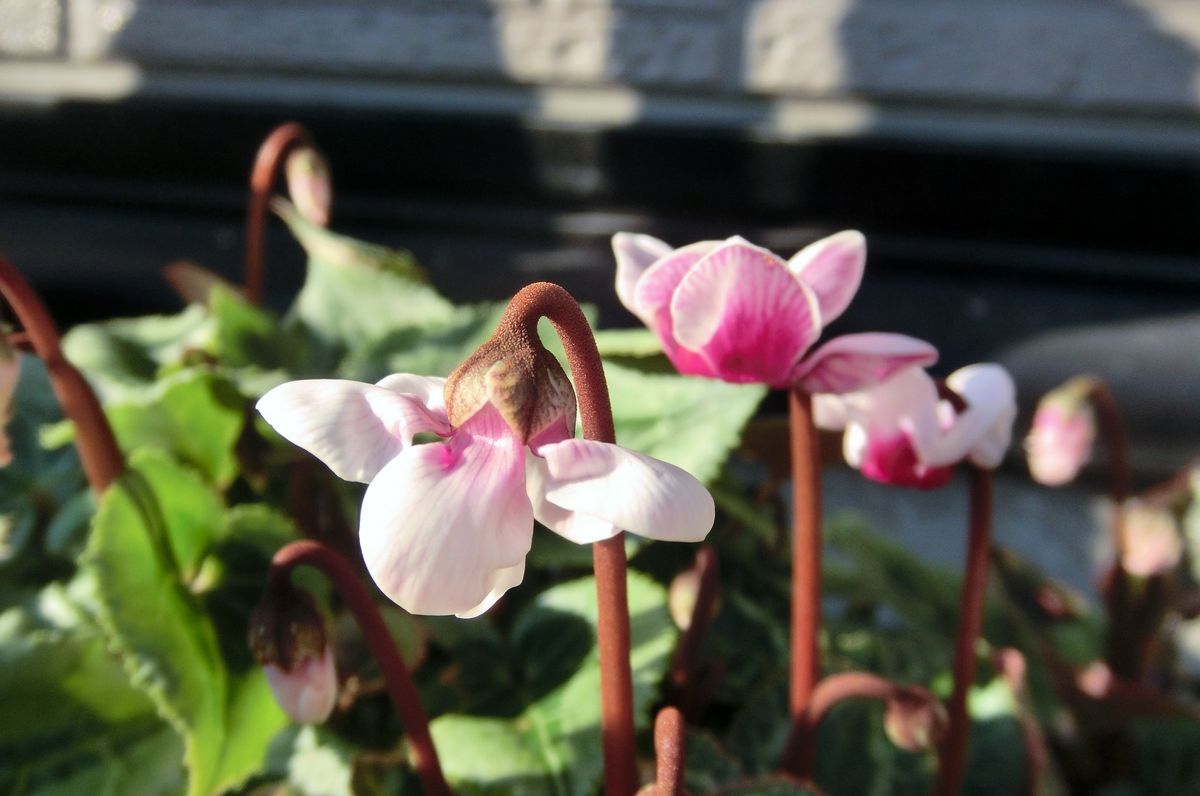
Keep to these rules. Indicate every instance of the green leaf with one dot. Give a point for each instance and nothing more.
(767, 786)
(167, 641)
(122, 357)
(196, 416)
(554, 745)
(690, 422)
(707, 766)
(356, 293)
(628, 343)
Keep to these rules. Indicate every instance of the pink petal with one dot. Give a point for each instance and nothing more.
(652, 302)
(892, 459)
(744, 313)
(309, 691)
(627, 489)
(429, 390)
(833, 269)
(856, 361)
(634, 254)
(907, 404)
(501, 581)
(352, 427)
(983, 431)
(441, 520)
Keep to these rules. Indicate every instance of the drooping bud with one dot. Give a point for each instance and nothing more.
(310, 184)
(287, 636)
(194, 283)
(10, 370)
(1064, 428)
(914, 719)
(515, 373)
(1153, 544)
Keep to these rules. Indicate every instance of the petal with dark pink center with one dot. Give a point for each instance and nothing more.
(441, 520)
(743, 312)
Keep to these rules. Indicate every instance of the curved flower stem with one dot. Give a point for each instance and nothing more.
(267, 163)
(684, 664)
(830, 692)
(395, 673)
(806, 566)
(545, 299)
(970, 623)
(98, 451)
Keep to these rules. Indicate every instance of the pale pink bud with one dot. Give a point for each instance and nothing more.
(1152, 541)
(915, 720)
(10, 370)
(1064, 427)
(1095, 679)
(309, 184)
(309, 691)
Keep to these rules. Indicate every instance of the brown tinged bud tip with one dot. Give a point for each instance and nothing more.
(915, 720)
(515, 373)
(286, 627)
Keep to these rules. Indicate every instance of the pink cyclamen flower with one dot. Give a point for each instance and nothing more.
(734, 311)
(10, 370)
(1063, 432)
(308, 691)
(900, 432)
(445, 526)
(1152, 540)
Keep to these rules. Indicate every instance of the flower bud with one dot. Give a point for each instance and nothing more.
(10, 369)
(1152, 541)
(915, 720)
(309, 184)
(516, 374)
(287, 636)
(1064, 427)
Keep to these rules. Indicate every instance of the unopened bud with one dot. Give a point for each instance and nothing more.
(1153, 544)
(10, 370)
(515, 373)
(1095, 679)
(309, 184)
(287, 636)
(1064, 428)
(915, 720)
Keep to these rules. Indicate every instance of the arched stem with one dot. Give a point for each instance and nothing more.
(547, 300)
(806, 567)
(970, 624)
(98, 451)
(403, 692)
(267, 164)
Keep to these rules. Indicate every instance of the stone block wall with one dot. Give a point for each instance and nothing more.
(1130, 60)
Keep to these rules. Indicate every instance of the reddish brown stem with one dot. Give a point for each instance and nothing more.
(399, 682)
(683, 677)
(806, 566)
(970, 623)
(669, 752)
(544, 299)
(825, 697)
(20, 341)
(267, 164)
(98, 451)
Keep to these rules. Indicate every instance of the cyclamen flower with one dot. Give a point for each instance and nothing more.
(10, 370)
(1064, 429)
(445, 526)
(1153, 544)
(734, 311)
(900, 432)
(308, 691)
(309, 184)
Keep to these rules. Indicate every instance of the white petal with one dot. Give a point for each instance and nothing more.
(576, 526)
(854, 444)
(830, 411)
(501, 581)
(635, 253)
(905, 402)
(983, 430)
(309, 691)
(440, 520)
(352, 427)
(628, 489)
(429, 390)
(833, 269)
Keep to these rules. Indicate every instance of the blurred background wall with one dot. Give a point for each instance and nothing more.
(1026, 172)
